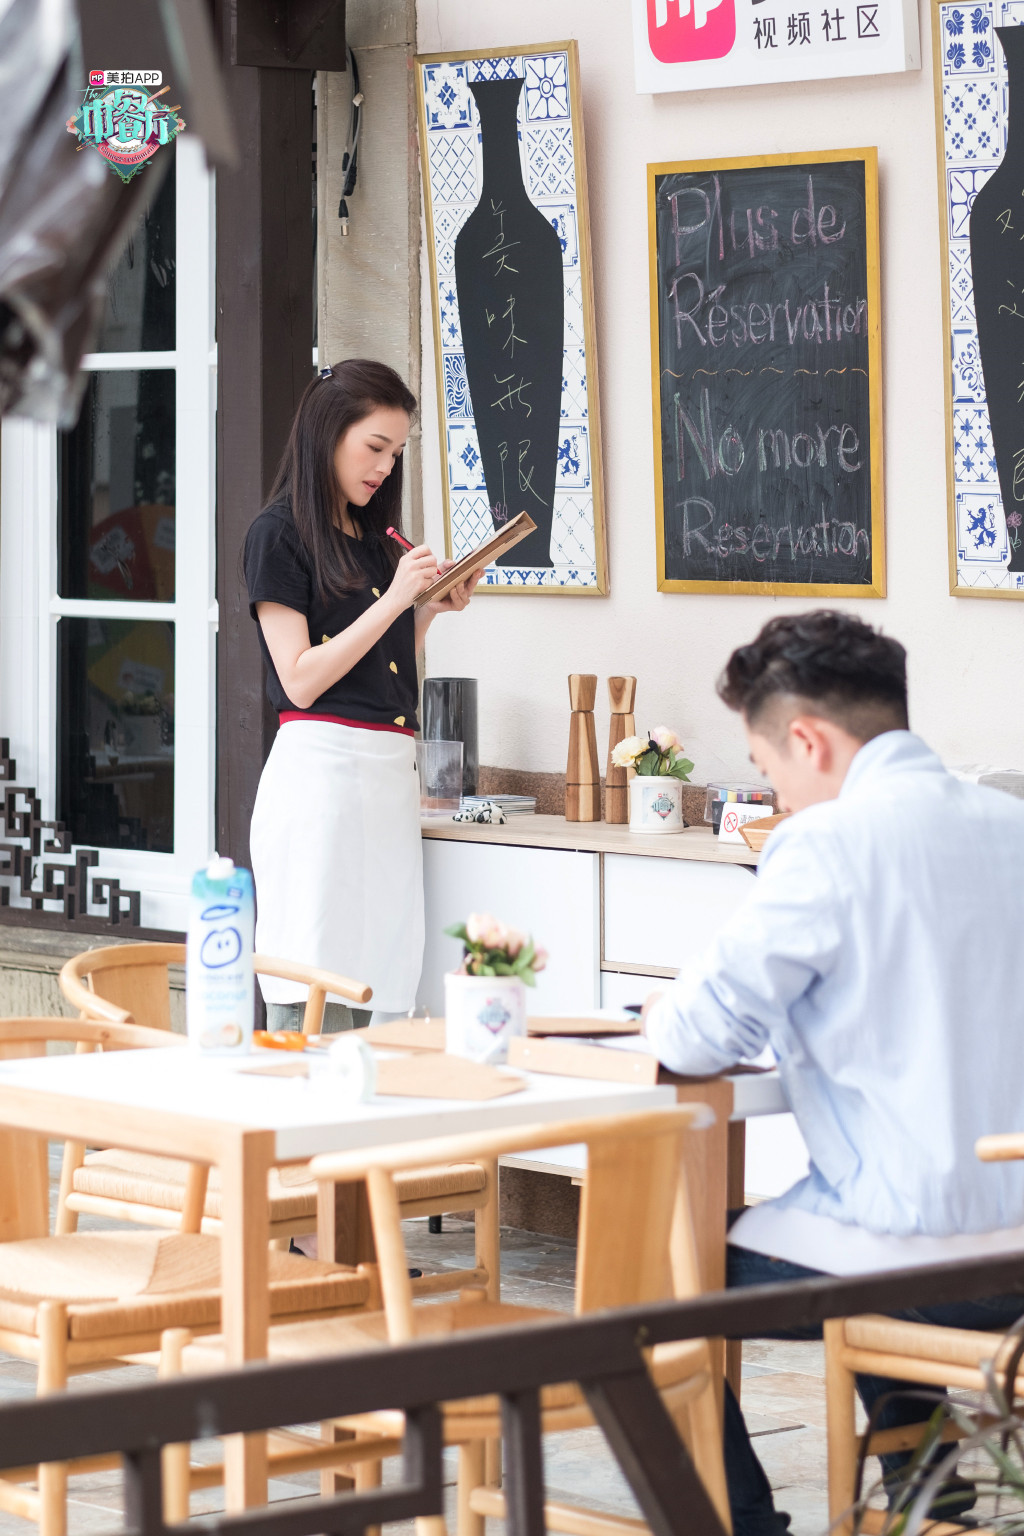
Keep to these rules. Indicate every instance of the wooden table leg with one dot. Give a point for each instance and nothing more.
(709, 1172)
(734, 1196)
(344, 1230)
(344, 1234)
(245, 1296)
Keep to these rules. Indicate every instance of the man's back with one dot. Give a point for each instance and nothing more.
(879, 956)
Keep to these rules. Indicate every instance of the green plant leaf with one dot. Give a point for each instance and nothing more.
(647, 765)
(529, 978)
(503, 968)
(458, 931)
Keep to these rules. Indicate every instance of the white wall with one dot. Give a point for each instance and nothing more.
(965, 653)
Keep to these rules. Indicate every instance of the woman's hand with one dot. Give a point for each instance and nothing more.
(458, 598)
(413, 574)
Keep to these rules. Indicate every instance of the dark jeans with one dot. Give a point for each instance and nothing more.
(750, 1495)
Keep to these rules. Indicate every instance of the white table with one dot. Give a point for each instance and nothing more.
(177, 1103)
(753, 1094)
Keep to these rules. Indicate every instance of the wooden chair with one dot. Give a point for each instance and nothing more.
(125, 983)
(635, 1245)
(921, 1353)
(85, 1301)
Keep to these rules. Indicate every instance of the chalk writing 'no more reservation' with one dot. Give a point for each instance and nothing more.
(724, 452)
(821, 540)
(696, 312)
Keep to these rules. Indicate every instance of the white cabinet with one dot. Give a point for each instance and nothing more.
(658, 912)
(551, 893)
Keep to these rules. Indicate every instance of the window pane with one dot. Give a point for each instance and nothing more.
(140, 311)
(116, 490)
(115, 733)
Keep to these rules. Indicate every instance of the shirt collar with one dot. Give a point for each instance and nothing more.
(892, 752)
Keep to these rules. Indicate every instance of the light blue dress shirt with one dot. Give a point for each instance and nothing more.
(880, 956)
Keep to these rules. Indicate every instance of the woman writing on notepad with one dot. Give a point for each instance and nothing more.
(335, 838)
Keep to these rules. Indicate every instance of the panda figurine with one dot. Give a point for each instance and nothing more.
(487, 812)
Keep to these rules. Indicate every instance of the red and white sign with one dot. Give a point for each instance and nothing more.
(691, 45)
(680, 32)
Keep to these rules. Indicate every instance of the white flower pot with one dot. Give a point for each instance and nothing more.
(655, 804)
(482, 1014)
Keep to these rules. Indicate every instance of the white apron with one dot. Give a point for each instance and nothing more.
(337, 860)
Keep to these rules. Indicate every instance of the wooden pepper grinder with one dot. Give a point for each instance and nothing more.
(582, 773)
(621, 697)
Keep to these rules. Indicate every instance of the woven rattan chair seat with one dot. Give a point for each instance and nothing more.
(671, 1363)
(141, 1179)
(138, 1282)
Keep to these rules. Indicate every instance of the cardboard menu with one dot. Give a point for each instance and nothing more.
(585, 1058)
(419, 1075)
(478, 559)
(428, 1034)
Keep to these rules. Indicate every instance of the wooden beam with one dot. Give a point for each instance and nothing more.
(264, 361)
(304, 34)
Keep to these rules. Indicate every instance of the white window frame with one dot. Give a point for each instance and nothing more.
(30, 608)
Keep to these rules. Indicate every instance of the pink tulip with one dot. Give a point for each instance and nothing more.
(540, 960)
(514, 941)
(664, 739)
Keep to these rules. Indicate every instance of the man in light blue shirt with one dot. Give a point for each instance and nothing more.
(878, 956)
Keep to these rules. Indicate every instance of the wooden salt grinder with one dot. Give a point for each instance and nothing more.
(621, 697)
(582, 773)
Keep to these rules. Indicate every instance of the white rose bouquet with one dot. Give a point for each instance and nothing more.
(658, 754)
(491, 949)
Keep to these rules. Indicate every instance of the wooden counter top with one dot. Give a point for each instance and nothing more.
(592, 837)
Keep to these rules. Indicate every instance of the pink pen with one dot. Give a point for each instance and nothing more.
(394, 534)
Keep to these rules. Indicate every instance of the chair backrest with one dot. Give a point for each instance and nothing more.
(319, 983)
(636, 1240)
(24, 1170)
(127, 983)
(123, 983)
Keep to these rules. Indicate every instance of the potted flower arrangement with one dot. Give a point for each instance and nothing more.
(661, 770)
(142, 721)
(485, 999)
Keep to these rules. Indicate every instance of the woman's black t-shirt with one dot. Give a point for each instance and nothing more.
(381, 688)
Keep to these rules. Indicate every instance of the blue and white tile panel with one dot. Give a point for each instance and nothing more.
(974, 138)
(549, 172)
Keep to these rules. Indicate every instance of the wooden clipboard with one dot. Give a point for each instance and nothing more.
(485, 554)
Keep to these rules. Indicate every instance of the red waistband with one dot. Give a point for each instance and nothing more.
(360, 725)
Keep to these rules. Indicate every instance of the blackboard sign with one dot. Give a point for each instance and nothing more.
(766, 354)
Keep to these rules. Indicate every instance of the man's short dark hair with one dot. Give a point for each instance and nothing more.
(831, 663)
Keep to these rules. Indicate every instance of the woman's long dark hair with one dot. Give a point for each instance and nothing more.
(328, 408)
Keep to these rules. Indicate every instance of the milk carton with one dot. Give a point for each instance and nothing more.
(218, 967)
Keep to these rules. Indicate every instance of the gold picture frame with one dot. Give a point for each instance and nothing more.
(437, 92)
(876, 587)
